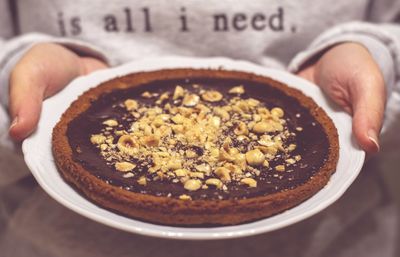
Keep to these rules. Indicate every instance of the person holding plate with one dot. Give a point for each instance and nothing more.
(350, 50)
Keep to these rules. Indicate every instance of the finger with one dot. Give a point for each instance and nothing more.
(307, 73)
(368, 102)
(88, 65)
(61, 77)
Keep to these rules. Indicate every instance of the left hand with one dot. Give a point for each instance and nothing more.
(348, 74)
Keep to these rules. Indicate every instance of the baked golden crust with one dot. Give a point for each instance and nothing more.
(172, 211)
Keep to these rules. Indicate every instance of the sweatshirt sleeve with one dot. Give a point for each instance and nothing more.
(382, 41)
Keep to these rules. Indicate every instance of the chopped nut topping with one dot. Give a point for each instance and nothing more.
(197, 138)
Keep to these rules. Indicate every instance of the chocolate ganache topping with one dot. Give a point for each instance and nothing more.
(199, 138)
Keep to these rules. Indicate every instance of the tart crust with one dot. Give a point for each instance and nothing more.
(171, 211)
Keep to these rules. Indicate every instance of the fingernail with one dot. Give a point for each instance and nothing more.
(372, 135)
(14, 122)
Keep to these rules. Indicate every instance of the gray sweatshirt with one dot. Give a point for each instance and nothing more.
(281, 34)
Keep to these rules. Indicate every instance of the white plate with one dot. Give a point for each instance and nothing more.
(39, 158)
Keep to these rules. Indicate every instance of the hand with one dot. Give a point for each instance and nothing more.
(348, 74)
(42, 72)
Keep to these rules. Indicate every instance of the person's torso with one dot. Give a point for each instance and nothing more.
(247, 30)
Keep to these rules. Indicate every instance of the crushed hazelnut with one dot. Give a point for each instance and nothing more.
(241, 129)
(214, 182)
(280, 168)
(290, 161)
(131, 105)
(249, 182)
(181, 172)
(151, 140)
(212, 96)
(124, 166)
(223, 173)
(190, 100)
(111, 123)
(263, 127)
(192, 184)
(142, 181)
(97, 139)
(128, 175)
(147, 94)
(291, 147)
(203, 168)
(277, 112)
(127, 144)
(237, 90)
(255, 157)
(185, 197)
(178, 93)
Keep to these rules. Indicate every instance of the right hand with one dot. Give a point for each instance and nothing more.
(349, 75)
(43, 71)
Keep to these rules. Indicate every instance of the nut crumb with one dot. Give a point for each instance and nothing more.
(249, 181)
(111, 123)
(236, 90)
(124, 166)
(142, 181)
(185, 197)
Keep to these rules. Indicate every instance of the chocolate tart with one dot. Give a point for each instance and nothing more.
(195, 146)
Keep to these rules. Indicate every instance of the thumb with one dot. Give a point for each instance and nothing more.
(41, 73)
(368, 98)
(26, 95)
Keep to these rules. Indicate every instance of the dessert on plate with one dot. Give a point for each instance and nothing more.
(195, 146)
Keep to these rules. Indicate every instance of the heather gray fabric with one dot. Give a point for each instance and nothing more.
(281, 34)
